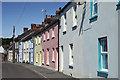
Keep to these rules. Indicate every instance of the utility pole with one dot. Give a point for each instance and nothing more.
(13, 44)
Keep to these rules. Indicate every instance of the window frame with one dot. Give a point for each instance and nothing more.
(53, 55)
(53, 34)
(74, 15)
(48, 35)
(101, 60)
(71, 59)
(65, 22)
(47, 63)
(43, 53)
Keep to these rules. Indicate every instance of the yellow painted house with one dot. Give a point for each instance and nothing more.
(38, 50)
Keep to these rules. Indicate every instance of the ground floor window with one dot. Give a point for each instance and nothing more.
(71, 56)
(47, 57)
(103, 55)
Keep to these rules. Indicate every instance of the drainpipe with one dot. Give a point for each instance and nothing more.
(58, 43)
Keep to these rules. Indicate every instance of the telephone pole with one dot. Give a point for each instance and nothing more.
(13, 44)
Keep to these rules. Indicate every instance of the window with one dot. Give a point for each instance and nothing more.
(53, 35)
(47, 57)
(103, 54)
(65, 23)
(71, 56)
(44, 36)
(48, 35)
(39, 40)
(43, 56)
(36, 41)
(94, 9)
(74, 15)
(53, 55)
(37, 57)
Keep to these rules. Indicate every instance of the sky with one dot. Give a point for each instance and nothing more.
(23, 14)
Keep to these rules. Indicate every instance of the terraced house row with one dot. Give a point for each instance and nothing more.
(81, 40)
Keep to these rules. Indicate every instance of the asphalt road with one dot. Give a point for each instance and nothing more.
(10, 70)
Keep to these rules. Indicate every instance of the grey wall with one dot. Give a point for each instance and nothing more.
(119, 41)
(85, 41)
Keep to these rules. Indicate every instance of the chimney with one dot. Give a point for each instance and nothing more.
(45, 20)
(49, 16)
(25, 29)
(33, 27)
(59, 8)
(52, 18)
(42, 23)
(58, 11)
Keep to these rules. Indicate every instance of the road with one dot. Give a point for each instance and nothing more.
(10, 70)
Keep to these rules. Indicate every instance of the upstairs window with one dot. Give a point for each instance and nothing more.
(74, 15)
(64, 23)
(44, 36)
(39, 40)
(94, 9)
(53, 35)
(36, 41)
(48, 35)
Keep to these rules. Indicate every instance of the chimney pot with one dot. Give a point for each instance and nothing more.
(25, 29)
(42, 23)
(51, 16)
(60, 8)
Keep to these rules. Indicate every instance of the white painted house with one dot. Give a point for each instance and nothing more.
(88, 39)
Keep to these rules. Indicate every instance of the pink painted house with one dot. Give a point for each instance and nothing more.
(50, 46)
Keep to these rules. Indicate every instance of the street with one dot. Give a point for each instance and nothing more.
(10, 70)
(21, 70)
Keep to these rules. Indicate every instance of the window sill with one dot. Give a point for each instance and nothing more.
(42, 63)
(47, 64)
(118, 4)
(53, 37)
(48, 39)
(71, 66)
(74, 27)
(93, 17)
(53, 61)
(43, 40)
(64, 32)
(104, 72)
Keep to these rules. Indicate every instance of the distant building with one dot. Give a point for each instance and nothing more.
(2, 51)
(23, 46)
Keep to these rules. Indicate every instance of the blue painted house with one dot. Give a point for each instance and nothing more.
(31, 52)
(20, 47)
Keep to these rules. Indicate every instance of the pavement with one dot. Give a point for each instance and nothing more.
(28, 71)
